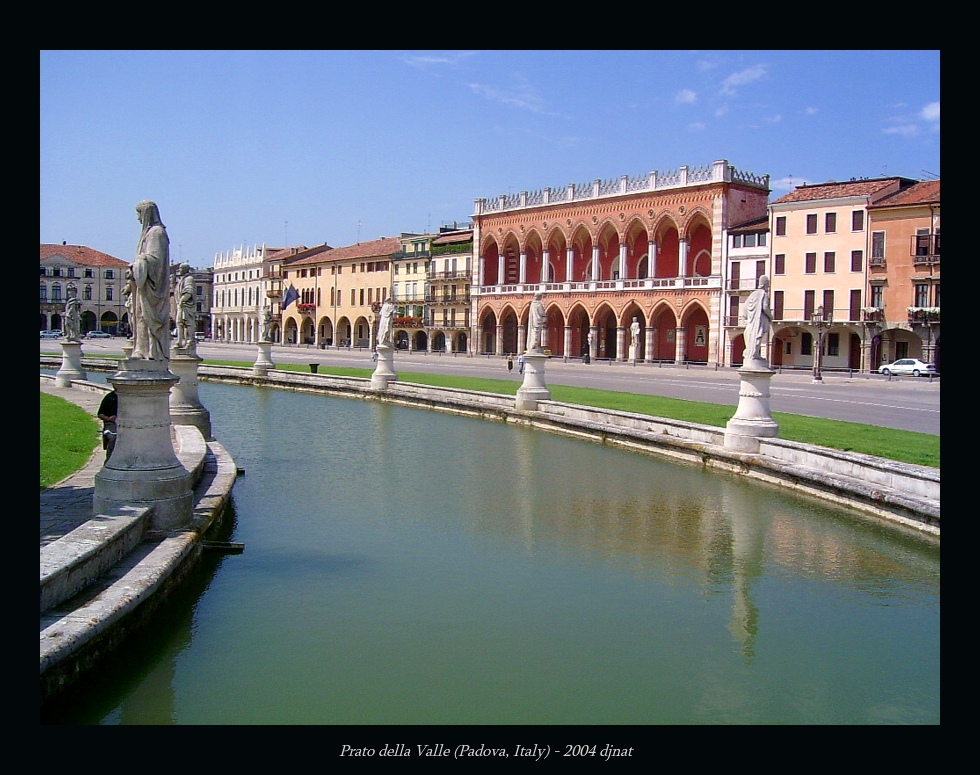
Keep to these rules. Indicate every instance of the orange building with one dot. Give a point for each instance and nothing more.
(649, 248)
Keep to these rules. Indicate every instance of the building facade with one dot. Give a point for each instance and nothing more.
(96, 277)
(822, 248)
(902, 313)
(447, 294)
(649, 247)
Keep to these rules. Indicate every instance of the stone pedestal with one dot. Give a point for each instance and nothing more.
(71, 363)
(264, 360)
(144, 468)
(185, 404)
(632, 355)
(533, 389)
(752, 419)
(384, 372)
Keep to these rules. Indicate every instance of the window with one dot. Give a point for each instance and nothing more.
(830, 223)
(43, 271)
(854, 308)
(108, 293)
(806, 343)
(808, 304)
(777, 305)
(109, 274)
(857, 260)
(353, 297)
(833, 344)
(736, 243)
(811, 263)
(88, 273)
(55, 293)
(877, 296)
(87, 293)
(878, 247)
(779, 265)
(829, 262)
(921, 242)
(935, 295)
(749, 240)
(811, 223)
(44, 293)
(921, 295)
(781, 226)
(857, 220)
(362, 297)
(71, 271)
(760, 269)
(733, 309)
(828, 303)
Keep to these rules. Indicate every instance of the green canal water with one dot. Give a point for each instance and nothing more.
(409, 567)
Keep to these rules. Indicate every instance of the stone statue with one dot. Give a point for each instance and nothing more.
(186, 309)
(634, 332)
(151, 275)
(535, 323)
(267, 325)
(758, 320)
(129, 298)
(73, 316)
(386, 317)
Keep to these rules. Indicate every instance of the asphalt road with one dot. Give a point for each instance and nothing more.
(904, 403)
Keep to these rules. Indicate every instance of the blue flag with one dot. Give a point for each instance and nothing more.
(291, 295)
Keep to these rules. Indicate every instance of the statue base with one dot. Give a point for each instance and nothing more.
(185, 403)
(144, 468)
(533, 389)
(264, 362)
(752, 419)
(71, 363)
(384, 372)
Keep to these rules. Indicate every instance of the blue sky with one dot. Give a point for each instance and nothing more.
(307, 147)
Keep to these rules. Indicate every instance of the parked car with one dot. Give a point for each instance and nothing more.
(199, 336)
(51, 333)
(98, 335)
(912, 366)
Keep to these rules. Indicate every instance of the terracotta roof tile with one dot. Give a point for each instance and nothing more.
(79, 254)
(835, 190)
(379, 248)
(452, 239)
(926, 192)
(754, 225)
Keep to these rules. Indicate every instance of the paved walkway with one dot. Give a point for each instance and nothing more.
(69, 503)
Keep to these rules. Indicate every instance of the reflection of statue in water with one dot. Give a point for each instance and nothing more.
(151, 273)
(535, 323)
(385, 319)
(758, 321)
(72, 315)
(267, 325)
(186, 312)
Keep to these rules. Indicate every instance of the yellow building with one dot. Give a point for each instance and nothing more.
(820, 242)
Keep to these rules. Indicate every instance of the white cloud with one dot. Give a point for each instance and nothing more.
(743, 77)
(773, 119)
(686, 96)
(721, 111)
(522, 96)
(788, 183)
(810, 111)
(905, 130)
(429, 60)
(930, 113)
(697, 126)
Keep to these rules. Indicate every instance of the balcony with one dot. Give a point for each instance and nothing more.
(923, 315)
(873, 315)
(925, 248)
(408, 322)
(305, 307)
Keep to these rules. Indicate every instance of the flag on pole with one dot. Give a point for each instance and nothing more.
(291, 295)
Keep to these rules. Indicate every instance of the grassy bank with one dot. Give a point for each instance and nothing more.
(68, 434)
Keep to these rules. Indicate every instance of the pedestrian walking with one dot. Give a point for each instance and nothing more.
(520, 363)
(107, 413)
(510, 363)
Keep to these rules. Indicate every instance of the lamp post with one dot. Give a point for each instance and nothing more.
(821, 320)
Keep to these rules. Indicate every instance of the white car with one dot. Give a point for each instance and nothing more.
(52, 333)
(912, 366)
(98, 335)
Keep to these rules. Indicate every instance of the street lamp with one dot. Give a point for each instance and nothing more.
(821, 320)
